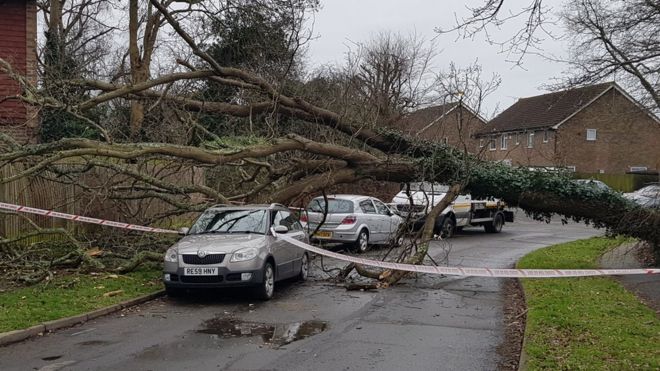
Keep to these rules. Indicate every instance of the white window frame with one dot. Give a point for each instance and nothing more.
(517, 138)
(507, 162)
(634, 169)
(594, 137)
(481, 143)
(530, 139)
(546, 136)
(492, 144)
(571, 168)
(504, 141)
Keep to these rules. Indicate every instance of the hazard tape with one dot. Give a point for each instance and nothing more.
(452, 271)
(80, 218)
(466, 271)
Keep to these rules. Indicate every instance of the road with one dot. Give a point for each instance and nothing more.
(430, 323)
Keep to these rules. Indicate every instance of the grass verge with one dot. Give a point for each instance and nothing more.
(589, 323)
(70, 295)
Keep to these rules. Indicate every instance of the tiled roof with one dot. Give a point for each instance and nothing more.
(417, 121)
(544, 110)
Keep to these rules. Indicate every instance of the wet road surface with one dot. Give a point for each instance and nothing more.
(428, 322)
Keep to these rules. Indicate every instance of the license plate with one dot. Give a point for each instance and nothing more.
(200, 271)
(323, 234)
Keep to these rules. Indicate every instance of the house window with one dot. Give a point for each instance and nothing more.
(507, 162)
(591, 134)
(530, 140)
(570, 168)
(505, 138)
(636, 169)
(517, 138)
(492, 145)
(545, 136)
(481, 143)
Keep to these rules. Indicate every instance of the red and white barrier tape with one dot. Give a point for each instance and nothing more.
(453, 271)
(477, 272)
(79, 218)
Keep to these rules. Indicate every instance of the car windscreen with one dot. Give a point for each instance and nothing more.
(231, 221)
(434, 188)
(335, 206)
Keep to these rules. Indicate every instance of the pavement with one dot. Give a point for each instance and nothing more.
(646, 287)
(428, 322)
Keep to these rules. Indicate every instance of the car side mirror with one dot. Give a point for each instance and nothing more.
(281, 229)
(183, 231)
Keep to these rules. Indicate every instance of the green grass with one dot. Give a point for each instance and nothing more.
(71, 295)
(589, 323)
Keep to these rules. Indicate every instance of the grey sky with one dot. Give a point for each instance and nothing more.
(341, 22)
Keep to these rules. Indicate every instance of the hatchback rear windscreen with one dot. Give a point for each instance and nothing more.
(335, 206)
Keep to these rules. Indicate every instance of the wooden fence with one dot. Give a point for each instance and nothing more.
(47, 192)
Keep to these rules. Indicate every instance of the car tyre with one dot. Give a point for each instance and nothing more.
(361, 245)
(266, 289)
(304, 268)
(496, 225)
(447, 228)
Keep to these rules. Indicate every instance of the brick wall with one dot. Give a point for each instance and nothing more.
(457, 129)
(18, 38)
(625, 136)
(518, 152)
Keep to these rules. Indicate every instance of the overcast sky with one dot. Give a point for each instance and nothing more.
(341, 22)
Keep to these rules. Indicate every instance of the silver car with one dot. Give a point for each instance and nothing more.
(355, 220)
(230, 246)
(648, 196)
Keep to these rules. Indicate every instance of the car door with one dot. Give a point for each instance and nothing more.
(370, 217)
(385, 219)
(289, 253)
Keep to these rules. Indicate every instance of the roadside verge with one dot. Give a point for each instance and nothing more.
(49, 326)
(585, 323)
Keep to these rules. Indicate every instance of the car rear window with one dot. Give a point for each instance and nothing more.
(335, 206)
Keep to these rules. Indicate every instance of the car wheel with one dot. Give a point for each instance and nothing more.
(362, 243)
(496, 225)
(266, 289)
(174, 292)
(447, 228)
(304, 268)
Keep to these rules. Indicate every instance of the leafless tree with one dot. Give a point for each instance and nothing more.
(619, 39)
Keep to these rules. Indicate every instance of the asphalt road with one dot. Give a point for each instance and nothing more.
(427, 323)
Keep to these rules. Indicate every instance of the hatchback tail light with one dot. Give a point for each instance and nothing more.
(303, 217)
(351, 219)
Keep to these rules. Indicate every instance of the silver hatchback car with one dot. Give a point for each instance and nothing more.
(230, 246)
(356, 220)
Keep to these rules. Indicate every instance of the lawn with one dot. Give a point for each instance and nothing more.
(70, 295)
(589, 323)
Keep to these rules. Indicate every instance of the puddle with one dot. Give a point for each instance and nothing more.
(51, 358)
(275, 334)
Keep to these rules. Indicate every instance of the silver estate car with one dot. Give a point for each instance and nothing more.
(231, 246)
(356, 220)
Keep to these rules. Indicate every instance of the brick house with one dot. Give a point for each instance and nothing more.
(454, 124)
(593, 129)
(18, 47)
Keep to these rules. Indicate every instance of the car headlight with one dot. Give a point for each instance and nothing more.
(245, 254)
(170, 255)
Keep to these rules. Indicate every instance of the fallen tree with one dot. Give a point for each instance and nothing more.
(289, 168)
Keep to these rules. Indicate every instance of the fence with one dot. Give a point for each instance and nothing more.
(621, 182)
(85, 197)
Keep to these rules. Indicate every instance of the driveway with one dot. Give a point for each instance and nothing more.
(432, 322)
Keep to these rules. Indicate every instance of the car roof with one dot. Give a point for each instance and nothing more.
(248, 207)
(346, 197)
